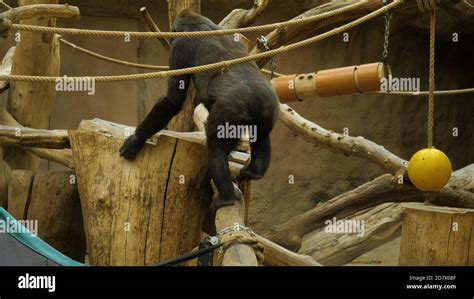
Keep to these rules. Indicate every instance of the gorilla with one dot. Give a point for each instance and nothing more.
(237, 96)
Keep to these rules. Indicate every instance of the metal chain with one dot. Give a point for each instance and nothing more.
(264, 42)
(387, 18)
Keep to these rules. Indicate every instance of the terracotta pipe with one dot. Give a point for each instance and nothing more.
(333, 82)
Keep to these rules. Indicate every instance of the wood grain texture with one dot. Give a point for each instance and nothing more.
(52, 199)
(31, 103)
(437, 236)
(139, 212)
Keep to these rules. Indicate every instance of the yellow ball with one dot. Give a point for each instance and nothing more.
(429, 169)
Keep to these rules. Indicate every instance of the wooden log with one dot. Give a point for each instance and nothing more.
(153, 27)
(61, 156)
(5, 26)
(348, 145)
(237, 254)
(33, 137)
(183, 121)
(6, 68)
(276, 255)
(239, 18)
(5, 175)
(52, 199)
(143, 211)
(381, 224)
(30, 103)
(41, 10)
(437, 236)
(385, 188)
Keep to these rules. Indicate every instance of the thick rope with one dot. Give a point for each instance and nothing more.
(107, 33)
(232, 239)
(127, 63)
(425, 93)
(217, 65)
(432, 75)
(112, 60)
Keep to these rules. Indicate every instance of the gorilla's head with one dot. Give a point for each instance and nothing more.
(190, 21)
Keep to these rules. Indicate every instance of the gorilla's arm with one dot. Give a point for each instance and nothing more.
(166, 108)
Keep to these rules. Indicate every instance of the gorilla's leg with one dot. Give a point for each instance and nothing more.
(260, 159)
(218, 166)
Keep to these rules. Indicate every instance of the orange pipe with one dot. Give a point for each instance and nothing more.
(333, 82)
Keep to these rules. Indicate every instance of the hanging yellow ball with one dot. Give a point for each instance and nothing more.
(429, 169)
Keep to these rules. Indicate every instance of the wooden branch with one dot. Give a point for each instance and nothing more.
(33, 137)
(348, 145)
(62, 156)
(380, 190)
(41, 10)
(239, 18)
(381, 224)
(237, 254)
(280, 37)
(276, 255)
(6, 68)
(153, 27)
(5, 26)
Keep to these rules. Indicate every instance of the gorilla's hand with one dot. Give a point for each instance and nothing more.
(131, 147)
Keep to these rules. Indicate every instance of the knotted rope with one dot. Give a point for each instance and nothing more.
(231, 238)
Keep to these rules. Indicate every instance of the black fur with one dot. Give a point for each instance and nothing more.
(239, 95)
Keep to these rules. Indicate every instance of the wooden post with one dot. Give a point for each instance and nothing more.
(31, 103)
(437, 236)
(238, 254)
(143, 211)
(183, 122)
(52, 199)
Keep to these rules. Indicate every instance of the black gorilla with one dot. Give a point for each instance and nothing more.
(238, 96)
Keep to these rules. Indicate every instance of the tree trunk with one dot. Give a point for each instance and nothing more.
(437, 236)
(143, 211)
(52, 199)
(31, 103)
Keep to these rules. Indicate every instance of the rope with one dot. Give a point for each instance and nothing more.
(213, 66)
(432, 72)
(107, 33)
(425, 93)
(127, 63)
(110, 59)
(232, 239)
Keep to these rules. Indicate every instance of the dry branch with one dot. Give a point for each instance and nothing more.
(242, 17)
(282, 36)
(380, 190)
(61, 156)
(348, 145)
(381, 224)
(153, 27)
(33, 137)
(276, 255)
(41, 10)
